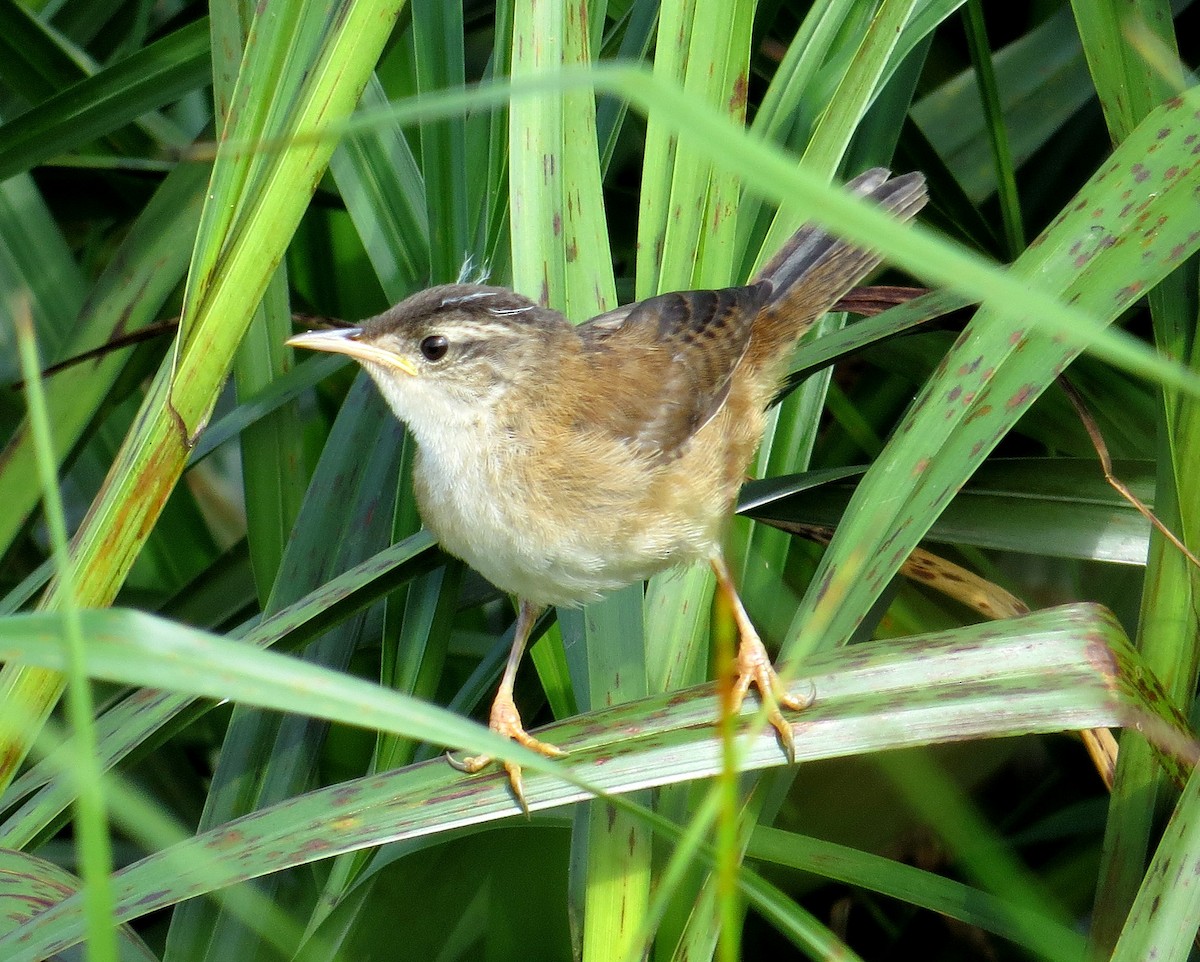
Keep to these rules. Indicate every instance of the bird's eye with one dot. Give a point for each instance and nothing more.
(434, 347)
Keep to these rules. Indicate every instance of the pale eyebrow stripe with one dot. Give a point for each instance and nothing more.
(464, 298)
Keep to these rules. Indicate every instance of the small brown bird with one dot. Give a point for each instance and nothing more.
(564, 462)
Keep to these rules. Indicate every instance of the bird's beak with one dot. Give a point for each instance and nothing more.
(345, 340)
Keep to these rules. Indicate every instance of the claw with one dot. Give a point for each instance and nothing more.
(506, 720)
(754, 668)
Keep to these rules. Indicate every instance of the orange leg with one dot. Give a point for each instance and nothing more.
(505, 719)
(754, 665)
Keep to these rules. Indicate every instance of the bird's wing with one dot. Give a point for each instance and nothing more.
(664, 365)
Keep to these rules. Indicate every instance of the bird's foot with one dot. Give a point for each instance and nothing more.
(754, 668)
(506, 720)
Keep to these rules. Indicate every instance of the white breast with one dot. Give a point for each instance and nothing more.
(483, 508)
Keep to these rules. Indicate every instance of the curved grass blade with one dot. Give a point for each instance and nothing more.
(830, 348)
(133, 721)
(1063, 668)
(29, 883)
(907, 883)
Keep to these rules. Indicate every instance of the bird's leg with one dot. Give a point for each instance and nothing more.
(754, 665)
(505, 719)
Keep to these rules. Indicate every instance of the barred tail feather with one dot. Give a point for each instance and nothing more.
(814, 268)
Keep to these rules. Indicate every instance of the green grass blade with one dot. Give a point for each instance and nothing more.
(1162, 923)
(1114, 38)
(333, 532)
(1042, 83)
(1039, 673)
(132, 722)
(559, 239)
(438, 55)
(1058, 507)
(272, 453)
(907, 883)
(560, 256)
(1042, 922)
(985, 71)
(857, 88)
(473, 881)
(384, 192)
(36, 263)
(34, 66)
(28, 883)
(93, 846)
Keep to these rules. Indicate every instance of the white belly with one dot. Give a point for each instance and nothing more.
(566, 552)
